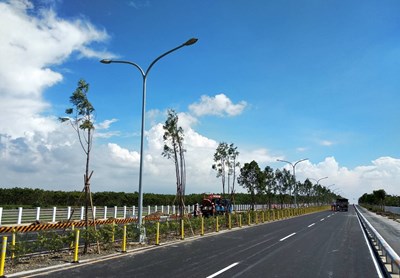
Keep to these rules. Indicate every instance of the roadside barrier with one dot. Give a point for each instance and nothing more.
(158, 229)
(54, 226)
(391, 258)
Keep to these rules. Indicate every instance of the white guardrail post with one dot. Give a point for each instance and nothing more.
(390, 255)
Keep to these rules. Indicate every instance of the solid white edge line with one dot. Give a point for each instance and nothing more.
(286, 237)
(222, 270)
(377, 267)
(311, 225)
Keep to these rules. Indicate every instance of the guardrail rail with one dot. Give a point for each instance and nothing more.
(390, 258)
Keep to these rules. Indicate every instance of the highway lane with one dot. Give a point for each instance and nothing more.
(324, 244)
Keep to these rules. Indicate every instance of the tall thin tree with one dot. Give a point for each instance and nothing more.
(81, 118)
(174, 150)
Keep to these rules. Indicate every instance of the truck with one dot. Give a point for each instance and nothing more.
(214, 204)
(342, 204)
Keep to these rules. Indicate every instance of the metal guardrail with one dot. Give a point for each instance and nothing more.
(392, 259)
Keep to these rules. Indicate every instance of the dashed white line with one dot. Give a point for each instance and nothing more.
(311, 225)
(322, 219)
(222, 270)
(286, 237)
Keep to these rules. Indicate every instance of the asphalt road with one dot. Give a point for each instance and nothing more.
(325, 244)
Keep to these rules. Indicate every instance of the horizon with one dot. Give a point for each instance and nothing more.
(280, 80)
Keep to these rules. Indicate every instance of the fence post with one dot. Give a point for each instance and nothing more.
(94, 213)
(82, 212)
(115, 212)
(148, 210)
(124, 212)
(37, 214)
(1, 214)
(173, 209)
(68, 212)
(162, 209)
(19, 216)
(3, 256)
(168, 209)
(133, 211)
(54, 214)
(155, 208)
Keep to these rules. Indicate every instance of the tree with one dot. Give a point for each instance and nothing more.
(173, 149)
(283, 183)
(232, 165)
(270, 184)
(379, 196)
(221, 157)
(225, 159)
(250, 177)
(81, 118)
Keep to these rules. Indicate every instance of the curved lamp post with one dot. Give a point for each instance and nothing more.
(318, 179)
(144, 76)
(294, 175)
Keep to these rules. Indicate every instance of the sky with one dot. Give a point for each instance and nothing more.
(282, 80)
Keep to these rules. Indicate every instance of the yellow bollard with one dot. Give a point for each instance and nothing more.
(3, 256)
(14, 234)
(256, 218)
(262, 217)
(240, 220)
(182, 230)
(217, 224)
(229, 222)
(124, 240)
(202, 226)
(158, 234)
(248, 219)
(76, 246)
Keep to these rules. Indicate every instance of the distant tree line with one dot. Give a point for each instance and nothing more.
(379, 198)
(280, 187)
(30, 198)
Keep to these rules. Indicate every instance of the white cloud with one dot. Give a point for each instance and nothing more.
(37, 151)
(38, 40)
(326, 143)
(220, 105)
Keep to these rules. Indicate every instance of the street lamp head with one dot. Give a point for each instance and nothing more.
(190, 42)
(106, 61)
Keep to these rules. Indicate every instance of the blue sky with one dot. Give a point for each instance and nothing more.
(279, 79)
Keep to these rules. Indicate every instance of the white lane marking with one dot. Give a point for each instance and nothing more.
(222, 270)
(322, 219)
(311, 225)
(286, 237)
(329, 215)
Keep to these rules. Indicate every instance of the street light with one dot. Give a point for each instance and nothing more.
(294, 175)
(318, 179)
(144, 76)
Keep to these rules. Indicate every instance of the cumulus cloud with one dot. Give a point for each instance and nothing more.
(38, 40)
(220, 105)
